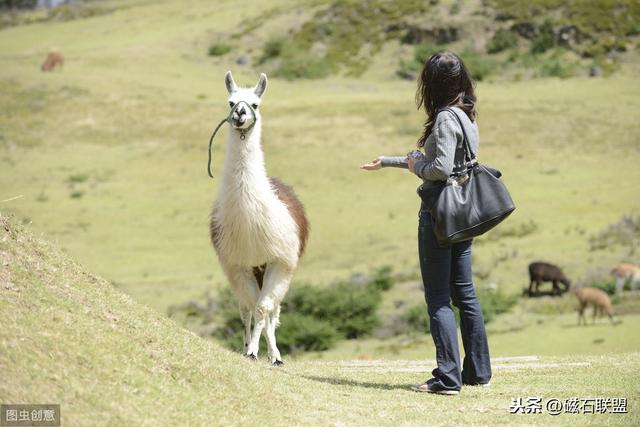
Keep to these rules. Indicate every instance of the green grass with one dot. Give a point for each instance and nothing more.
(107, 157)
(140, 138)
(71, 338)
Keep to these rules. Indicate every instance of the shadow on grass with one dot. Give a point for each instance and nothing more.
(354, 383)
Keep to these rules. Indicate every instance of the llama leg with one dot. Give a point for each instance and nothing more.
(245, 315)
(245, 287)
(581, 314)
(274, 320)
(276, 284)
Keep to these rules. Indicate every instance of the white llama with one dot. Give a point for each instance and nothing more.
(258, 225)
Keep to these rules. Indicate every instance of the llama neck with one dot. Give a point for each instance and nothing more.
(244, 163)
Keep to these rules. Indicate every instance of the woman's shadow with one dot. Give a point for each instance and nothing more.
(355, 383)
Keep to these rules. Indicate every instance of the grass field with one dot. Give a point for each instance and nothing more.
(69, 337)
(109, 154)
(106, 159)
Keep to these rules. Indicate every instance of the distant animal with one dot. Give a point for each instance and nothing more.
(624, 273)
(54, 59)
(596, 297)
(258, 225)
(544, 272)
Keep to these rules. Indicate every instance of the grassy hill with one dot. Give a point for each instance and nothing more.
(70, 337)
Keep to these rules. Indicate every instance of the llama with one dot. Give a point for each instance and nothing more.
(626, 272)
(544, 272)
(258, 226)
(53, 59)
(598, 298)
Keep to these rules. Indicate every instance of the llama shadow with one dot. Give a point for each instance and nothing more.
(354, 383)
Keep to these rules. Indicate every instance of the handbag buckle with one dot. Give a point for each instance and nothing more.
(458, 180)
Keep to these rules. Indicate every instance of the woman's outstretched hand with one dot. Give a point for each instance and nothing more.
(411, 164)
(374, 165)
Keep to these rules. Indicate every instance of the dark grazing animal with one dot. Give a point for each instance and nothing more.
(544, 272)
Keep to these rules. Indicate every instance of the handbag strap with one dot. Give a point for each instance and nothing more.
(469, 156)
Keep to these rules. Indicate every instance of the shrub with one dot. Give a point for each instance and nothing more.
(350, 309)
(408, 69)
(219, 49)
(556, 66)
(272, 49)
(417, 318)
(297, 62)
(608, 286)
(423, 51)
(313, 318)
(300, 332)
(478, 66)
(502, 40)
(545, 39)
(382, 279)
(493, 303)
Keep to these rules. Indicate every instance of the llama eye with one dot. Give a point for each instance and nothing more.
(232, 104)
(254, 106)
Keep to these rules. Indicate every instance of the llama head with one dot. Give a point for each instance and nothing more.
(241, 99)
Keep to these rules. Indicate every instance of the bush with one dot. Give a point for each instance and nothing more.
(502, 40)
(299, 332)
(219, 49)
(382, 279)
(349, 308)
(478, 66)
(421, 53)
(313, 318)
(556, 66)
(417, 318)
(272, 49)
(545, 39)
(298, 63)
(493, 303)
(608, 286)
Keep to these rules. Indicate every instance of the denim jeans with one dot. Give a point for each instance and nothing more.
(446, 274)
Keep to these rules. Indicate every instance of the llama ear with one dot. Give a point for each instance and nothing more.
(262, 85)
(230, 83)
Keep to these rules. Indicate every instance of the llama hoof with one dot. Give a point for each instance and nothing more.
(278, 363)
(252, 356)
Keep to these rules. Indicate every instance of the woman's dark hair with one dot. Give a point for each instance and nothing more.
(444, 82)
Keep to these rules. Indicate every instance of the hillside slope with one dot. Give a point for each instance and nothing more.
(69, 337)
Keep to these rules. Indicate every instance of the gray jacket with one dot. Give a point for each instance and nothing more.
(440, 147)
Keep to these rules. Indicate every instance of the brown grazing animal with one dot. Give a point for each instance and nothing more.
(626, 273)
(544, 272)
(53, 59)
(598, 298)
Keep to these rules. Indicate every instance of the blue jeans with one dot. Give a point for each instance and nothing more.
(446, 273)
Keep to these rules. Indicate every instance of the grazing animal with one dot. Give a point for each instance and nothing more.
(598, 298)
(53, 59)
(258, 226)
(544, 272)
(626, 273)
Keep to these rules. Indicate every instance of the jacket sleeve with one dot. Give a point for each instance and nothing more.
(395, 162)
(446, 133)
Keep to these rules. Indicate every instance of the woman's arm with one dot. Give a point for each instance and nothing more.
(394, 162)
(446, 134)
(386, 161)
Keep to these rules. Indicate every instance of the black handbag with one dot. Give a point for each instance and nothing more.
(471, 202)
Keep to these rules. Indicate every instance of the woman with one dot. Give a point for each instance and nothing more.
(446, 271)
